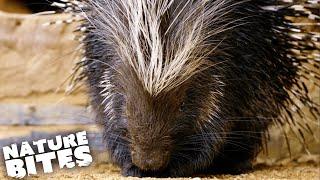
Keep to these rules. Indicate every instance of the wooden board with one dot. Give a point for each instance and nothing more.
(21, 114)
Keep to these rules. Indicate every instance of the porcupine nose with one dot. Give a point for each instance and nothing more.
(150, 160)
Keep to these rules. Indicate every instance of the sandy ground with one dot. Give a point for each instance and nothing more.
(103, 170)
(305, 171)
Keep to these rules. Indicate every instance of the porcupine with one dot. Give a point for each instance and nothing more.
(191, 86)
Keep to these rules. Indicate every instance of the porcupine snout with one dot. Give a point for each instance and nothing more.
(150, 158)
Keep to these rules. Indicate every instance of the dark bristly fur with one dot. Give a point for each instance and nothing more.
(216, 119)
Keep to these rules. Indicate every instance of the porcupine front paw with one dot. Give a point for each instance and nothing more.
(134, 171)
(240, 168)
(234, 168)
(131, 170)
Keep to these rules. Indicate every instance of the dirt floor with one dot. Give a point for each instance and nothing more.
(295, 171)
(305, 171)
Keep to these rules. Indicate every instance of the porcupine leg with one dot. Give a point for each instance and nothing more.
(237, 154)
(120, 154)
(236, 162)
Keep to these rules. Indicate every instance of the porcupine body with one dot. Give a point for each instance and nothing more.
(183, 87)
